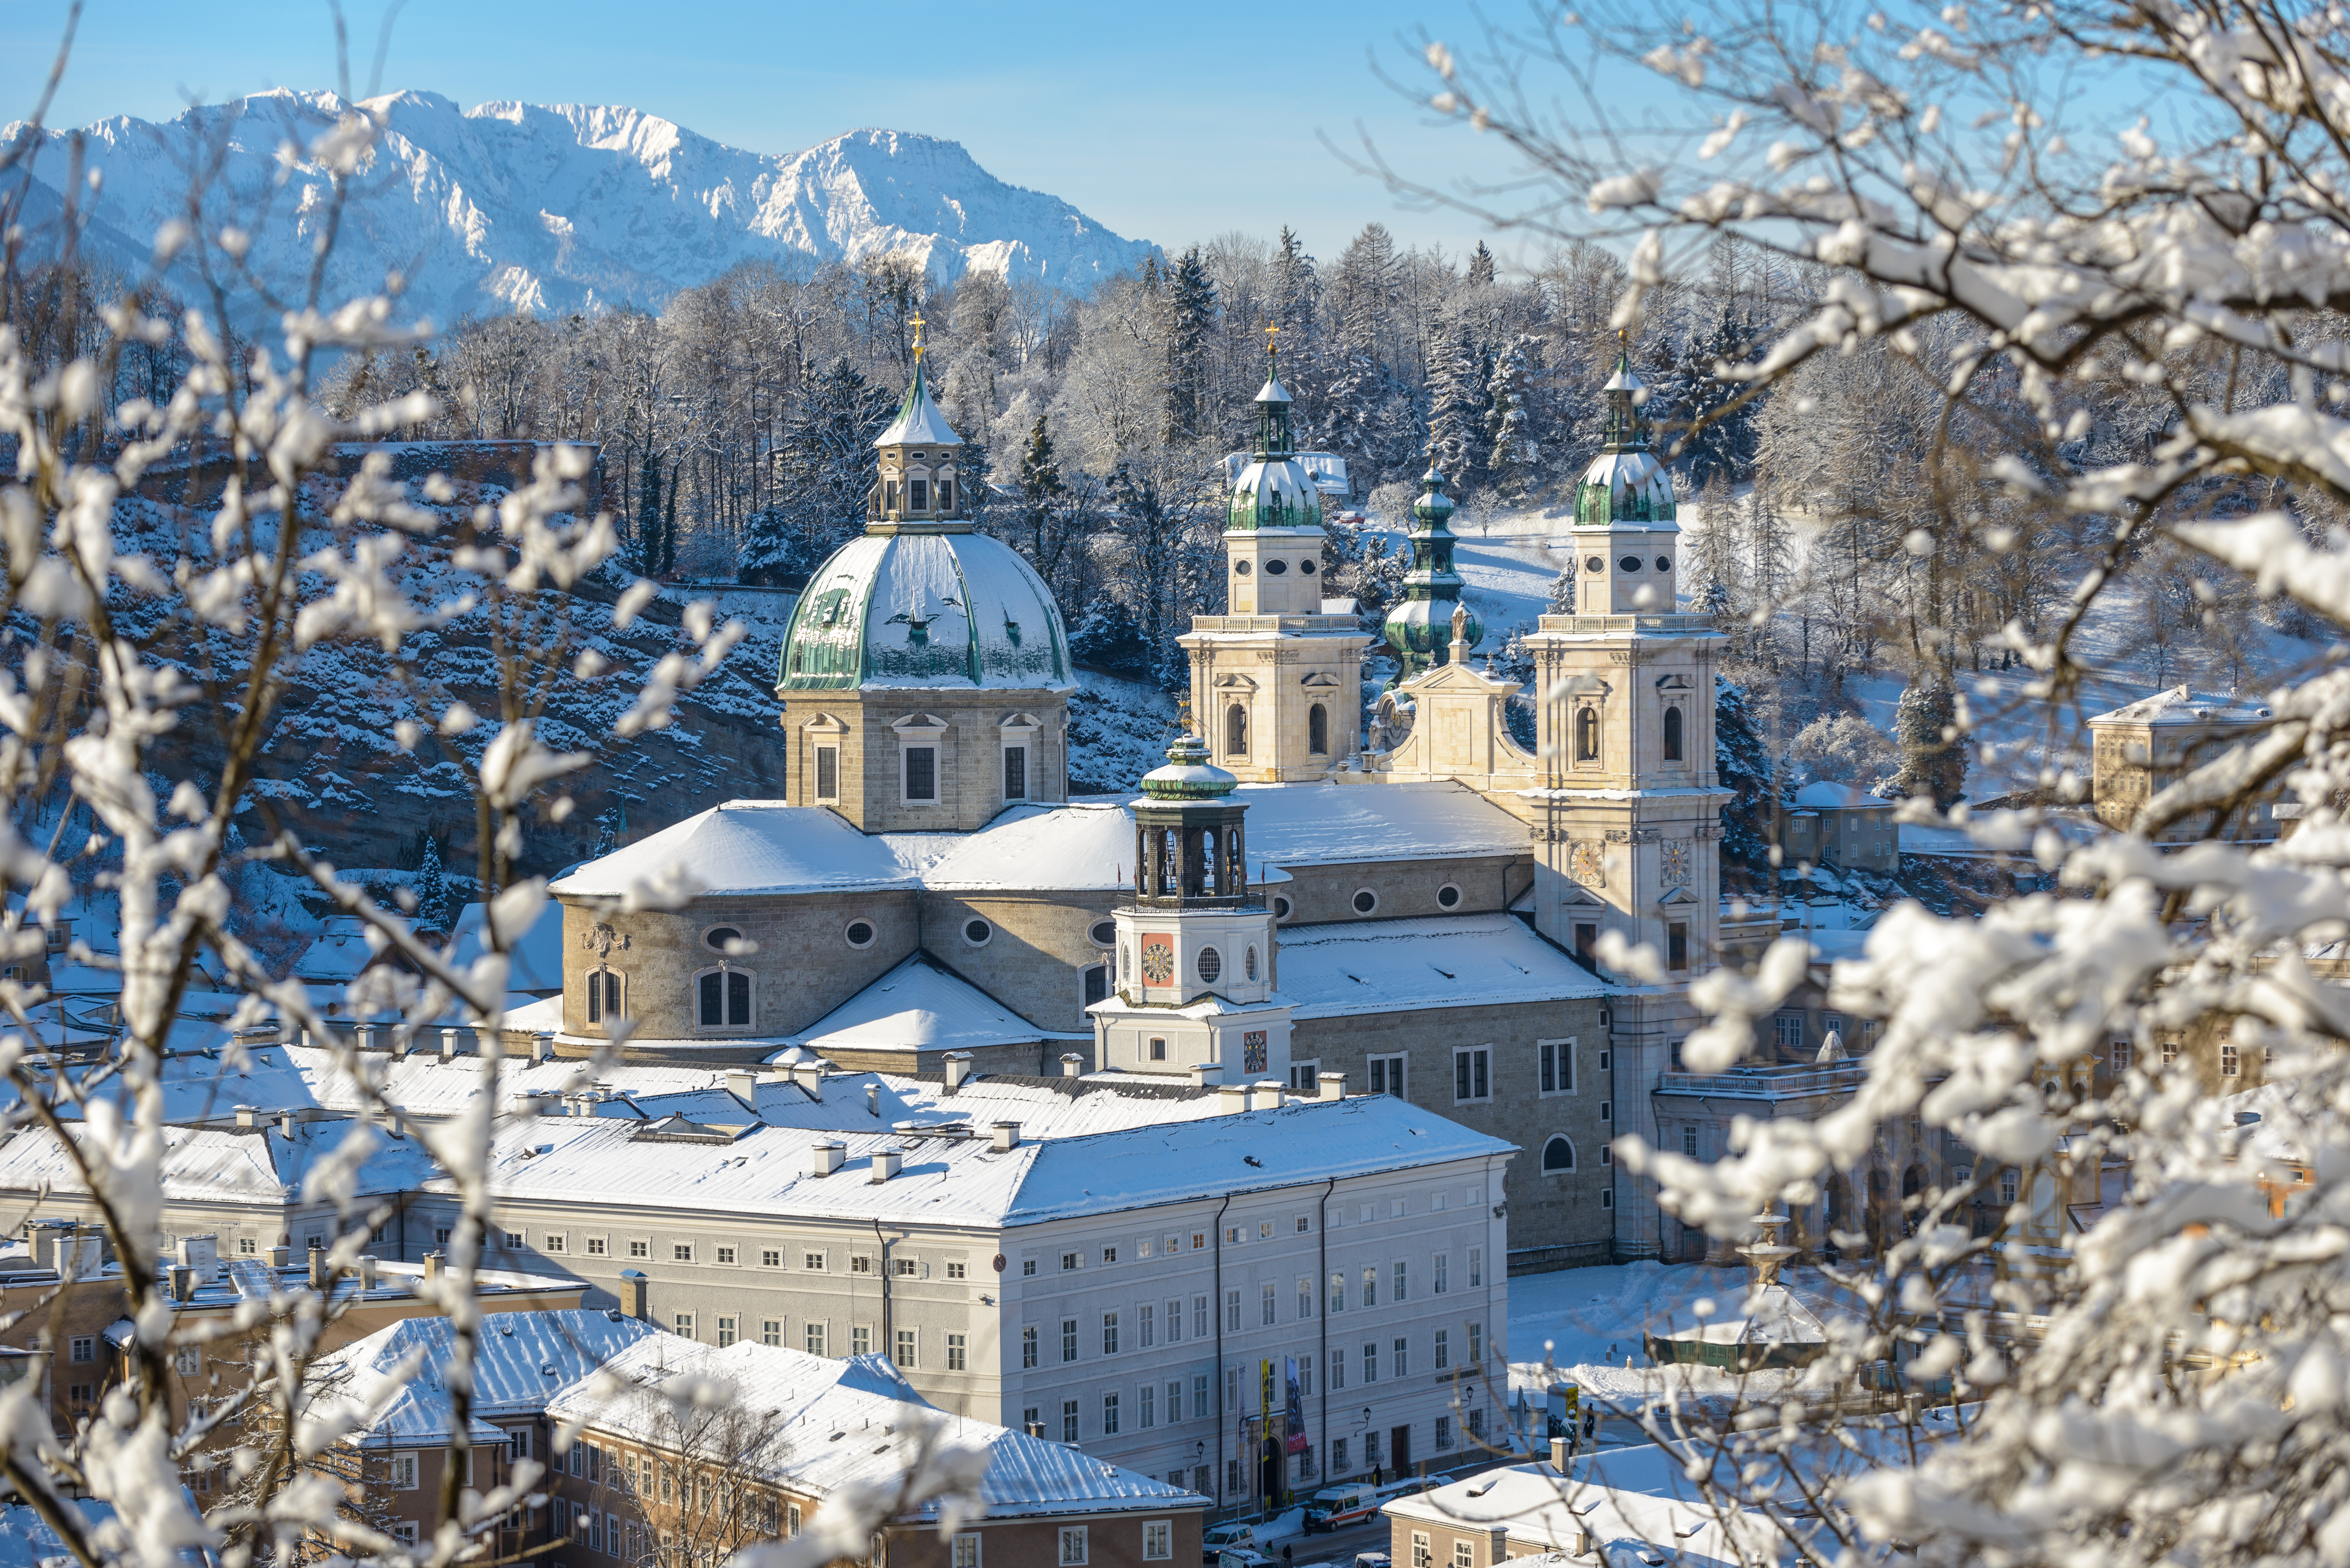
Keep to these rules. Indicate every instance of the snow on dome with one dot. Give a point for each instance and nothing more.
(1188, 775)
(1274, 493)
(918, 421)
(940, 607)
(1624, 486)
(1273, 391)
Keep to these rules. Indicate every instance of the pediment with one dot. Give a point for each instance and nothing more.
(1319, 678)
(1678, 896)
(1021, 721)
(831, 724)
(1235, 684)
(919, 723)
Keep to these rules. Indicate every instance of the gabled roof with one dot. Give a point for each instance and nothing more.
(2182, 705)
(1826, 796)
(917, 1006)
(398, 1375)
(1342, 971)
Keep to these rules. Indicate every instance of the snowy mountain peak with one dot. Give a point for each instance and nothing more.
(557, 208)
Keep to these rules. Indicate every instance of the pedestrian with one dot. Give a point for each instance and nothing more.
(1286, 1551)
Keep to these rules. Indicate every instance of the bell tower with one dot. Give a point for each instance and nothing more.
(1277, 681)
(1628, 832)
(1195, 952)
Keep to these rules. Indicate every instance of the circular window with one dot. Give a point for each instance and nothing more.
(860, 933)
(1664, 562)
(1212, 964)
(976, 932)
(1594, 564)
(1305, 568)
(1104, 933)
(1281, 909)
(1274, 568)
(1240, 568)
(716, 938)
(1248, 965)
(1448, 897)
(1366, 901)
(1630, 563)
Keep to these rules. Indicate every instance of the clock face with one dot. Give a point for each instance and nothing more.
(1157, 960)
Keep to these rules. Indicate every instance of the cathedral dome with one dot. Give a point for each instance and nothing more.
(925, 606)
(1625, 484)
(1274, 493)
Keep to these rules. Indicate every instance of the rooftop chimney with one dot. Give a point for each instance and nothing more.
(317, 1268)
(873, 1099)
(1072, 1065)
(1207, 1075)
(432, 1261)
(448, 1045)
(632, 1292)
(1331, 1086)
(183, 1282)
(285, 1125)
(1558, 1455)
(742, 1083)
(827, 1157)
(370, 1036)
(541, 1045)
(1266, 1095)
(247, 1117)
(281, 1257)
(200, 1253)
(1006, 1138)
(886, 1162)
(809, 1075)
(957, 1065)
(367, 1271)
(1235, 1097)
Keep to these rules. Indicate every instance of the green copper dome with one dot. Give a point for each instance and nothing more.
(1625, 484)
(1275, 491)
(1188, 775)
(1420, 626)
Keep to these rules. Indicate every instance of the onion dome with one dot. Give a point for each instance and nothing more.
(1420, 626)
(1625, 484)
(1188, 775)
(1275, 491)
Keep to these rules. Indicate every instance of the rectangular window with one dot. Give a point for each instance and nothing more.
(1147, 1411)
(1015, 772)
(1371, 1286)
(860, 1263)
(1787, 1030)
(906, 1347)
(1557, 1064)
(1199, 1317)
(1675, 946)
(1202, 1398)
(955, 1272)
(1476, 1344)
(1472, 1074)
(1442, 1260)
(771, 1257)
(812, 1338)
(1444, 1349)
(1269, 1306)
(904, 1268)
(1174, 1401)
(2229, 1062)
(1232, 1312)
(1157, 1539)
(1109, 1333)
(1338, 1290)
(1689, 1141)
(84, 1347)
(403, 1472)
(684, 1321)
(1149, 1326)
(1110, 1415)
(1338, 1371)
(1337, 1456)
(1463, 1554)
(1370, 1364)
(1443, 1433)
(921, 775)
(682, 1251)
(1174, 1321)
(1068, 1420)
(554, 1242)
(1304, 1298)
(1070, 1261)
(918, 494)
(1028, 1346)
(828, 773)
(514, 1239)
(1476, 1268)
(1422, 1555)
(1068, 1339)
(726, 1331)
(2118, 1055)
(966, 1551)
(1387, 1076)
(1399, 1357)
(770, 1331)
(1073, 1544)
(861, 1339)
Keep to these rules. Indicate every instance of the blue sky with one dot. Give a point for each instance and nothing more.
(1167, 123)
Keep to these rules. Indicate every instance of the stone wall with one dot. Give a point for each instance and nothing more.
(970, 754)
(1405, 889)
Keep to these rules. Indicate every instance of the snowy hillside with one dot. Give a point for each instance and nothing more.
(564, 208)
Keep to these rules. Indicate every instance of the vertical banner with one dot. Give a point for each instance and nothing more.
(1296, 1410)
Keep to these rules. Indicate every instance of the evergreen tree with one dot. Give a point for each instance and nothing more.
(431, 886)
(1514, 454)
(825, 464)
(1689, 392)
(773, 551)
(1109, 640)
(1191, 321)
(1744, 765)
(1933, 755)
(1039, 488)
(1456, 415)
(1481, 267)
(651, 548)
(1562, 592)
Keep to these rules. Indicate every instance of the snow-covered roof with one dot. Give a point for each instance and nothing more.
(918, 421)
(1634, 486)
(1332, 823)
(811, 1402)
(258, 1166)
(1070, 847)
(343, 949)
(1621, 1497)
(27, 1541)
(935, 609)
(1329, 471)
(957, 1179)
(1825, 796)
(521, 1360)
(1399, 966)
(2180, 705)
(917, 1006)
(745, 847)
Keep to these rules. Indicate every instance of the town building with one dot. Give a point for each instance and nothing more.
(2140, 748)
(1840, 825)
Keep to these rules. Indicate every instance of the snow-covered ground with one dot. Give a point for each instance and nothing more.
(1118, 731)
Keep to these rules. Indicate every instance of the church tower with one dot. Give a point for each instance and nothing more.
(1627, 831)
(1420, 626)
(925, 675)
(1277, 682)
(1194, 981)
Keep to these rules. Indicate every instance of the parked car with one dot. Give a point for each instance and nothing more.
(1372, 1560)
(1222, 1538)
(1245, 1557)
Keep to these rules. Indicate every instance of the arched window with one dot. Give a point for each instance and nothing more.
(1672, 735)
(721, 999)
(603, 995)
(1317, 731)
(1558, 1155)
(1096, 983)
(1236, 731)
(1587, 735)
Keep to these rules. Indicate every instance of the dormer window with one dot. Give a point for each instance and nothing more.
(920, 491)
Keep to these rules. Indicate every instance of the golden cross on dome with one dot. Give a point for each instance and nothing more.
(1272, 339)
(918, 325)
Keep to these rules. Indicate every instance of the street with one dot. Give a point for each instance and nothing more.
(1339, 1546)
